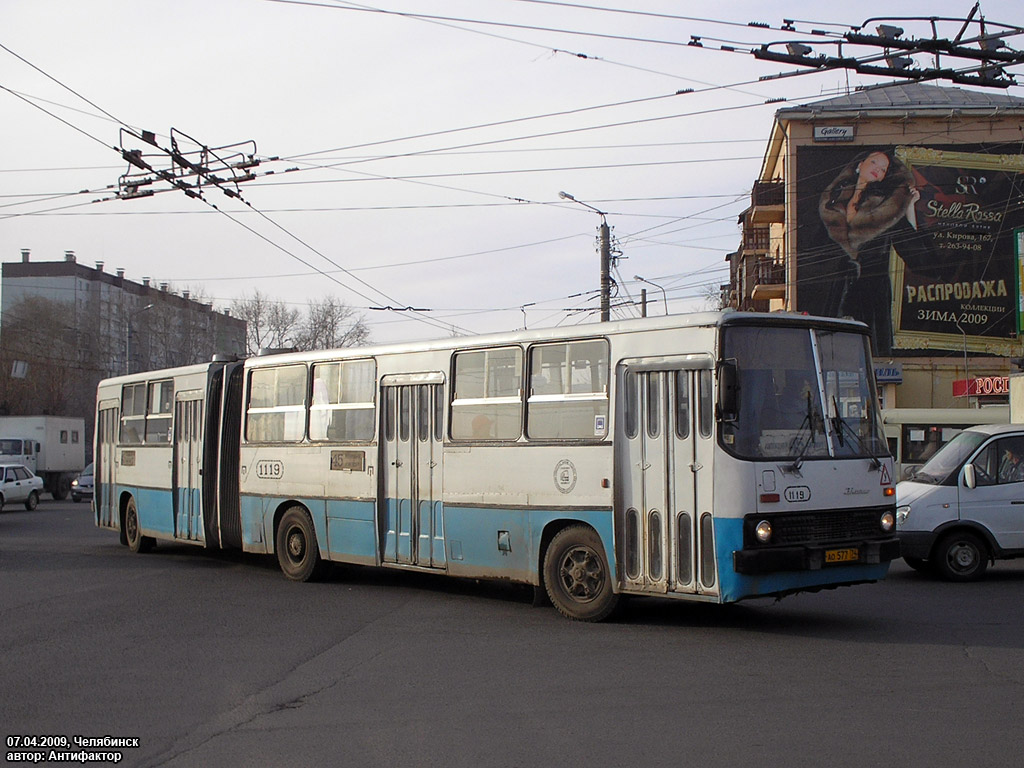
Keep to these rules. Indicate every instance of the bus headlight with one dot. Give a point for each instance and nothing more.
(763, 532)
(902, 513)
(887, 521)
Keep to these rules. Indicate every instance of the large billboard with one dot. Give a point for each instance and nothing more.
(919, 242)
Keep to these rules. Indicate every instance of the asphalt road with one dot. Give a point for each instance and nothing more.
(216, 659)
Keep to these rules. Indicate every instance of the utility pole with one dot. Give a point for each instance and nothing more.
(605, 240)
(606, 278)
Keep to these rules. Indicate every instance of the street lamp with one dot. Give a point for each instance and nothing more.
(128, 335)
(650, 282)
(606, 257)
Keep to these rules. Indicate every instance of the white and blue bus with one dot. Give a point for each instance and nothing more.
(711, 457)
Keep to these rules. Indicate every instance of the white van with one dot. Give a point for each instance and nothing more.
(915, 434)
(965, 506)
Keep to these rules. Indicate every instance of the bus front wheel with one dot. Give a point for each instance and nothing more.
(297, 551)
(133, 532)
(577, 576)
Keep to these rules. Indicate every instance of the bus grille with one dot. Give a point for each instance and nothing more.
(820, 526)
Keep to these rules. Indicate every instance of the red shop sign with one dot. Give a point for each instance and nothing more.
(983, 385)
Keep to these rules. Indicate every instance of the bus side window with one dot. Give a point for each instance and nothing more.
(487, 402)
(158, 411)
(276, 411)
(133, 413)
(568, 396)
(343, 407)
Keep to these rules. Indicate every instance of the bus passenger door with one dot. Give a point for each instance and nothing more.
(105, 493)
(429, 420)
(187, 474)
(662, 473)
(410, 483)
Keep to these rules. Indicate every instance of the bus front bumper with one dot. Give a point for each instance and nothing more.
(753, 562)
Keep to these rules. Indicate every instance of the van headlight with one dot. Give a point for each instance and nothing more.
(902, 513)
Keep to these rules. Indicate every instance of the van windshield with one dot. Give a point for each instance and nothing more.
(942, 468)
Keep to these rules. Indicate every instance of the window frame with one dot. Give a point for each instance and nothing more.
(458, 403)
(599, 393)
(331, 407)
(299, 408)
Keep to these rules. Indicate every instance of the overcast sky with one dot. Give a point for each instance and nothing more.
(420, 160)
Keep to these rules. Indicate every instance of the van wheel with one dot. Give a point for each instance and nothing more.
(577, 576)
(297, 550)
(960, 556)
(133, 533)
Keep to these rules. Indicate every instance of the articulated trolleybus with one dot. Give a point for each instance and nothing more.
(712, 457)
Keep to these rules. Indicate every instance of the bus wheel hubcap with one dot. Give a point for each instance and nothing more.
(582, 574)
(296, 544)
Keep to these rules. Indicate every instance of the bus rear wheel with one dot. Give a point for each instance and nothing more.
(297, 551)
(577, 576)
(133, 532)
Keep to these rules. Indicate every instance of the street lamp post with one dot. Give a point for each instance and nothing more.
(606, 257)
(650, 282)
(128, 336)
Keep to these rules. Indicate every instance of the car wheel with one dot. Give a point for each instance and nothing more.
(32, 501)
(960, 556)
(577, 576)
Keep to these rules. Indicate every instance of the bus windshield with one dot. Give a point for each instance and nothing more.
(801, 394)
(942, 468)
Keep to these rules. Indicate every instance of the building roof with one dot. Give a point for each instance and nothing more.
(910, 97)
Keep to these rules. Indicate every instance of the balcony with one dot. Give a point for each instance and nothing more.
(769, 280)
(769, 202)
(756, 240)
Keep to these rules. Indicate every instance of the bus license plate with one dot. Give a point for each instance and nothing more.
(842, 555)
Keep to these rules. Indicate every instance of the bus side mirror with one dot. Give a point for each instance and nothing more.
(728, 390)
(970, 479)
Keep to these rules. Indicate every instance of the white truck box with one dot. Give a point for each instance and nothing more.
(51, 446)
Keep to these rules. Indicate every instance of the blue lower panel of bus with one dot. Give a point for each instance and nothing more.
(488, 542)
(736, 586)
(155, 508)
(345, 529)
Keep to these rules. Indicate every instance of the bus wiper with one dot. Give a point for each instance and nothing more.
(837, 423)
(808, 422)
(840, 427)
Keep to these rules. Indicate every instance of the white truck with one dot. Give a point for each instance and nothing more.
(51, 446)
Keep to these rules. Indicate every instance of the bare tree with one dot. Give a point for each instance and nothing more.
(268, 323)
(331, 323)
(41, 365)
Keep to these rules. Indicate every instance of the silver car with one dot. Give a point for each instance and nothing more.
(81, 486)
(17, 483)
